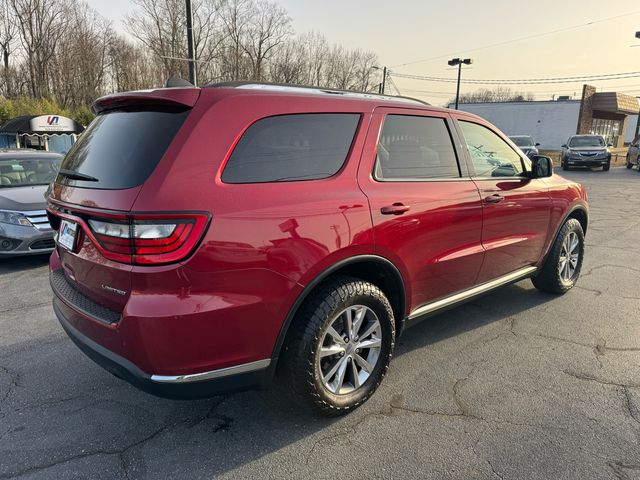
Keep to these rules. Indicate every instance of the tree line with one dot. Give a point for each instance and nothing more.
(63, 53)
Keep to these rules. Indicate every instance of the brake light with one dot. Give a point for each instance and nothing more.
(148, 239)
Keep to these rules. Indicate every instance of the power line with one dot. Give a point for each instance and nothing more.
(520, 39)
(528, 81)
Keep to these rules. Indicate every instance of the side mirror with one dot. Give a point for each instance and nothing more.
(537, 144)
(609, 144)
(564, 145)
(541, 167)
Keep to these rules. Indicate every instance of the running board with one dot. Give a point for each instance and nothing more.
(466, 295)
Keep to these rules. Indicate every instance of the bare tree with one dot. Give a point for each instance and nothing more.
(41, 24)
(269, 25)
(497, 94)
(8, 33)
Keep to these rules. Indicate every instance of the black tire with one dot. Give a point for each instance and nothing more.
(565, 167)
(549, 278)
(300, 368)
(607, 166)
(628, 164)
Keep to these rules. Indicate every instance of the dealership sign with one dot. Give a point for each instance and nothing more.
(52, 123)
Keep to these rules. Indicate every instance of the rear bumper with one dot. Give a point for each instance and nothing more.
(247, 376)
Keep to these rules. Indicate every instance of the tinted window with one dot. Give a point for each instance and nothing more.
(586, 141)
(415, 148)
(491, 155)
(292, 147)
(122, 148)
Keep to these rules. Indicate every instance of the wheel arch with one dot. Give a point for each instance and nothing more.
(373, 268)
(580, 213)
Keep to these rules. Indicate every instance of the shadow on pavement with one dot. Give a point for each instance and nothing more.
(58, 408)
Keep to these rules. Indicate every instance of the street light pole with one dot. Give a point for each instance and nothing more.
(384, 80)
(458, 62)
(190, 50)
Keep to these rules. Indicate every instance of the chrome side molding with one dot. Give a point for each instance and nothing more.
(223, 372)
(472, 292)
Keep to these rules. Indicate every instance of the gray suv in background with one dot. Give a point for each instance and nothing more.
(24, 178)
(633, 155)
(586, 151)
(526, 144)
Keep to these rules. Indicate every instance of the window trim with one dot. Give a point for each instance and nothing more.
(344, 164)
(463, 175)
(525, 175)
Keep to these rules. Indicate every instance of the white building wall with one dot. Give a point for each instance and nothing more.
(549, 123)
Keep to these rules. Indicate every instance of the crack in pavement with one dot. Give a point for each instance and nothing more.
(13, 384)
(589, 378)
(619, 467)
(631, 409)
(120, 452)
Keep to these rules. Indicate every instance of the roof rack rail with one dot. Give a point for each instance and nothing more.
(318, 89)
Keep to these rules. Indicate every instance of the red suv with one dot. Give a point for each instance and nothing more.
(211, 239)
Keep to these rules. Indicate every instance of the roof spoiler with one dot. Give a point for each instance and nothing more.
(183, 96)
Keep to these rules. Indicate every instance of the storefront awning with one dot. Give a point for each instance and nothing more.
(41, 124)
(614, 102)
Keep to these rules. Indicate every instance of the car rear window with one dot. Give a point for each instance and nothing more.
(121, 148)
(290, 148)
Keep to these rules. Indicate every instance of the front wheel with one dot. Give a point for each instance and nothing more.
(561, 268)
(339, 346)
(629, 165)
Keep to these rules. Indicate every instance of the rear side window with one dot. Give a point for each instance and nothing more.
(415, 148)
(288, 148)
(121, 148)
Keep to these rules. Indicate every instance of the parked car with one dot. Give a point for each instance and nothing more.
(586, 151)
(526, 144)
(633, 155)
(300, 240)
(24, 177)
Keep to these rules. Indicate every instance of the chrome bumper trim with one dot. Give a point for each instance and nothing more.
(472, 292)
(223, 372)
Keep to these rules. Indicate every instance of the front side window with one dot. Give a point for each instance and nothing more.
(415, 148)
(491, 155)
(289, 148)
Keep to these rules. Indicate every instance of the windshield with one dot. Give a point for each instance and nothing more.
(22, 170)
(587, 141)
(522, 141)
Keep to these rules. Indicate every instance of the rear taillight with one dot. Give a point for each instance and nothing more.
(148, 239)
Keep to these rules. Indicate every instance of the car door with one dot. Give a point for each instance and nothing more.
(516, 208)
(426, 211)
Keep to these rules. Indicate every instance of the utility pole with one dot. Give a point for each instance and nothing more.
(190, 50)
(384, 80)
(458, 62)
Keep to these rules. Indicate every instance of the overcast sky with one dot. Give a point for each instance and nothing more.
(406, 31)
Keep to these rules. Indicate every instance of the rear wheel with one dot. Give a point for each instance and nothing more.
(339, 346)
(561, 269)
(628, 163)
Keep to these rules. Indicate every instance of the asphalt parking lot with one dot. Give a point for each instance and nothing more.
(516, 385)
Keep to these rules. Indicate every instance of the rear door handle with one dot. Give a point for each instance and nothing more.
(395, 209)
(495, 198)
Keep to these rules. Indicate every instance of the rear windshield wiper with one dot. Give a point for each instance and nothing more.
(76, 175)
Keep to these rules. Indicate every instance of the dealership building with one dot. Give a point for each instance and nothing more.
(610, 114)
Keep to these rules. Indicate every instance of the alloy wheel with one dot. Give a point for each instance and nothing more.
(569, 257)
(350, 349)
